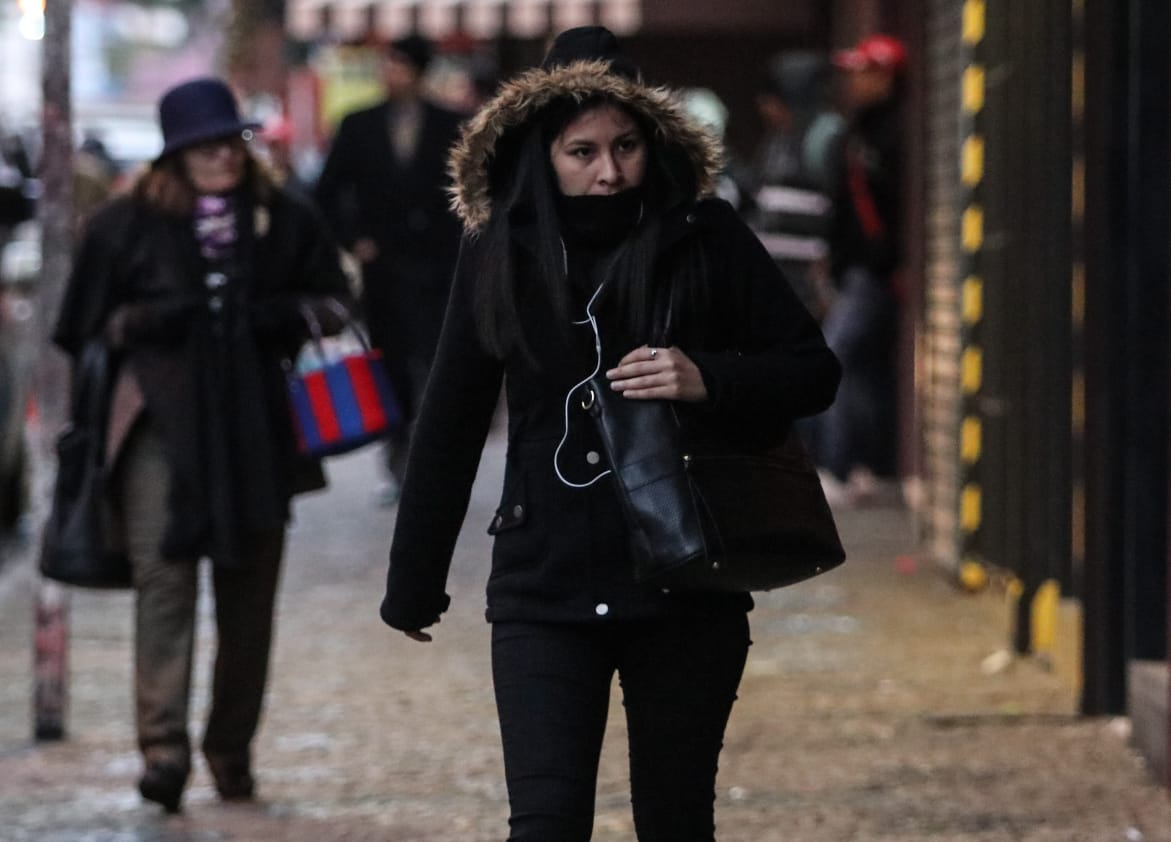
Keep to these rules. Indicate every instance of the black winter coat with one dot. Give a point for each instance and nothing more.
(561, 553)
(867, 227)
(212, 376)
(364, 191)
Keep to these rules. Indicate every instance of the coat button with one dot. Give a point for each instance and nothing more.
(601, 609)
(593, 457)
(690, 219)
(518, 510)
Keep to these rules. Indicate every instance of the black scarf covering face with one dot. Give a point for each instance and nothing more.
(594, 231)
(592, 228)
(601, 221)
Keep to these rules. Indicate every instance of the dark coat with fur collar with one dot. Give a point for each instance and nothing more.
(561, 553)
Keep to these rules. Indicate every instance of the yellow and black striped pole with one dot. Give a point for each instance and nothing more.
(972, 568)
(1069, 632)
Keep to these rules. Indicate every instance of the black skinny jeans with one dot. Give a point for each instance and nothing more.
(679, 678)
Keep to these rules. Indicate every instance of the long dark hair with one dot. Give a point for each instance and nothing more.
(524, 194)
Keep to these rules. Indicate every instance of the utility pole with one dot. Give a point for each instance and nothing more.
(55, 212)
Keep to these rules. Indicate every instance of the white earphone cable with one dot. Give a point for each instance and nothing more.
(592, 321)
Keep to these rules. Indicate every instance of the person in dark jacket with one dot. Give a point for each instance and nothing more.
(858, 436)
(582, 193)
(198, 279)
(383, 191)
(791, 205)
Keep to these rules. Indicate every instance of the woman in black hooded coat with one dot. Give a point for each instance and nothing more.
(581, 190)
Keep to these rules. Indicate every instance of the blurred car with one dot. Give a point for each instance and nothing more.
(20, 266)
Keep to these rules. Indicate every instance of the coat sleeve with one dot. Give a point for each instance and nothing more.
(90, 288)
(779, 368)
(317, 283)
(449, 436)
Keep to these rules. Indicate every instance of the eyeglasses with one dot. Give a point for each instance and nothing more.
(212, 148)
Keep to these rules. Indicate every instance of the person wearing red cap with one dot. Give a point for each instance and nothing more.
(858, 434)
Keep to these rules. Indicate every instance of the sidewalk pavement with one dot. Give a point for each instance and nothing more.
(864, 716)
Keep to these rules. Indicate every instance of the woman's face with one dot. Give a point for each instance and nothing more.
(216, 166)
(601, 151)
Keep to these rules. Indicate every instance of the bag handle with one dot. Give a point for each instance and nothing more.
(89, 393)
(316, 335)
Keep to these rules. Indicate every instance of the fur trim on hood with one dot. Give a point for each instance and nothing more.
(523, 97)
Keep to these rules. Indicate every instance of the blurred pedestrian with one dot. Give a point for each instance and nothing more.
(582, 196)
(792, 170)
(276, 150)
(198, 278)
(859, 433)
(94, 179)
(383, 189)
(16, 205)
(707, 109)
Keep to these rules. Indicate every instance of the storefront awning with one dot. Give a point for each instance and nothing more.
(348, 20)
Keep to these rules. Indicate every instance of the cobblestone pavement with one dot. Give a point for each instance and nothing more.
(865, 715)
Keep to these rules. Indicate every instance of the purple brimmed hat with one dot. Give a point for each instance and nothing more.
(198, 111)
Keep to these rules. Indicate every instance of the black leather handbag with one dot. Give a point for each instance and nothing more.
(77, 546)
(707, 513)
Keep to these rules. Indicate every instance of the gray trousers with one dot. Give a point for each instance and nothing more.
(166, 591)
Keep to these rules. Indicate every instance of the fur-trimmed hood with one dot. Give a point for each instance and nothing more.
(530, 92)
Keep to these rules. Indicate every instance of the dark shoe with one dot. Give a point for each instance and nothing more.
(233, 777)
(163, 784)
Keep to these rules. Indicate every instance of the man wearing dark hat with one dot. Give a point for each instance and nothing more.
(383, 190)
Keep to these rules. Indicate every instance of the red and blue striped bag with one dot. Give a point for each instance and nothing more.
(343, 399)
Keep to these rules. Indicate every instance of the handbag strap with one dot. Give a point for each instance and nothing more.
(317, 336)
(89, 393)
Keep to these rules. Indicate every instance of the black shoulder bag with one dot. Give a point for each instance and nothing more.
(76, 547)
(706, 511)
(711, 514)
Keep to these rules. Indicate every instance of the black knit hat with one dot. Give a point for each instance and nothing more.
(415, 49)
(589, 43)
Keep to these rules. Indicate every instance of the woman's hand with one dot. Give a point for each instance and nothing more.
(658, 373)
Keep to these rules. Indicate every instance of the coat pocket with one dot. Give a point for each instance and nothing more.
(513, 511)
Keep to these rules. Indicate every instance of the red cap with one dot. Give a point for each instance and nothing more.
(277, 130)
(881, 51)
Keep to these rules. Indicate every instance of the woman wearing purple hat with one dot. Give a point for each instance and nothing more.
(198, 279)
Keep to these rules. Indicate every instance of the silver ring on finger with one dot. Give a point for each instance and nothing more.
(654, 352)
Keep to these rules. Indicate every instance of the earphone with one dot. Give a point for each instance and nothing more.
(592, 321)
